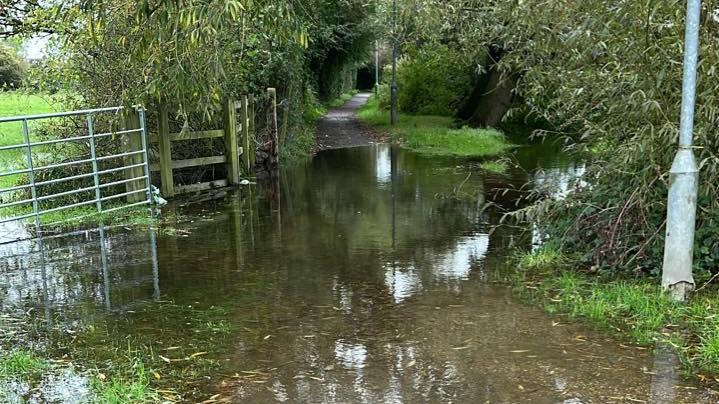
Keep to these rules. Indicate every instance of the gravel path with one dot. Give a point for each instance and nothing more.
(341, 128)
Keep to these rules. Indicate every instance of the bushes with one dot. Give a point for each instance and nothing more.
(613, 84)
(432, 80)
(13, 68)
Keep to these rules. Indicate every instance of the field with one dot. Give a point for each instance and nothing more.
(14, 104)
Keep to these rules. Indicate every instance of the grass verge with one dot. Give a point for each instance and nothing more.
(634, 308)
(435, 135)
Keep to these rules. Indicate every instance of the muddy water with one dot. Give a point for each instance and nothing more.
(362, 276)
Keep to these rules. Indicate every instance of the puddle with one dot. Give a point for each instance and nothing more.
(361, 276)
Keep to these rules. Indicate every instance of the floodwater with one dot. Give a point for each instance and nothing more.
(363, 276)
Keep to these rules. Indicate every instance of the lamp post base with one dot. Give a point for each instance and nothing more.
(677, 276)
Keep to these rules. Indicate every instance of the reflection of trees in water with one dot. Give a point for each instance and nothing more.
(333, 280)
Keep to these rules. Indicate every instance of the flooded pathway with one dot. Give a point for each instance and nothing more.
(363, 277)
(341, 128)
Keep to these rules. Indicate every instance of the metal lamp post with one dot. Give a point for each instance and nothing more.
(677, 276)
(393, 87)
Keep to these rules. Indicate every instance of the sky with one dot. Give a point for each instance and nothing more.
(34, 48)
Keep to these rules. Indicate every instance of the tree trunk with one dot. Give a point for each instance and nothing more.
(491, 96)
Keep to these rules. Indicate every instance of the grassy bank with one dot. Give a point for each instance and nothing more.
(633, 308)
(436, 135)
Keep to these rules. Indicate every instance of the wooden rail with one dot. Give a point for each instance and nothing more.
(232, 155)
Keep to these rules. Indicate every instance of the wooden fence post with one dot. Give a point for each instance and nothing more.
(245, 134)
(166, 178)
(231, 149)
(252, 128)
(133, 142)
(272, 93)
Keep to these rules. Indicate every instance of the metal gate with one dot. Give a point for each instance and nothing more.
(53, 172)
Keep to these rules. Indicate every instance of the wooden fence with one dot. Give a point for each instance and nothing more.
(245, 150)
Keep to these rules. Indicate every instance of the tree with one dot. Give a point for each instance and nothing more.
(13, 68)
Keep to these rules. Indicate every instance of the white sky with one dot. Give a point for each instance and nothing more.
(35, 48)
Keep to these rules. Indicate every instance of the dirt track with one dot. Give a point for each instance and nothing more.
(341, 128)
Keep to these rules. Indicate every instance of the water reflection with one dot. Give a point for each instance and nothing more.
(75, 270)
(359, 277)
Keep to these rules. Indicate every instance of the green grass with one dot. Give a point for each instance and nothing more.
(429, 134)
(85, 216)
(133, 388)
(13, 104)
(635, 308)
(21, 364)
(494, 166)
(20, 103)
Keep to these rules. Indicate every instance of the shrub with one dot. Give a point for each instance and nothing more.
(12, 68)
(432, 80)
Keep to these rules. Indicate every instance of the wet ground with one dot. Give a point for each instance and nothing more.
(363, 276)
(341, 128)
